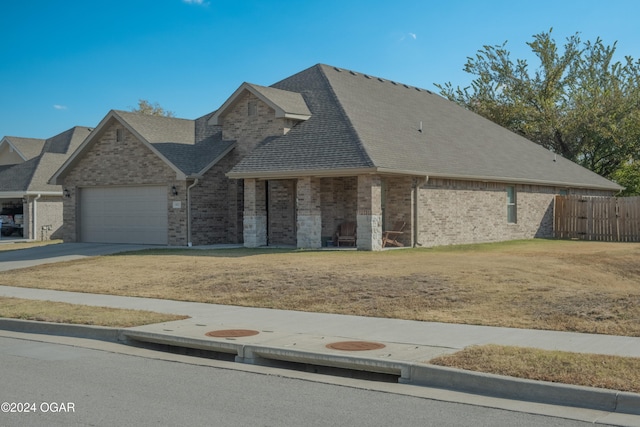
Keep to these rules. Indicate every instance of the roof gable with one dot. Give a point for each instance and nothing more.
(175, 141)
(25, 148)
(286, 104)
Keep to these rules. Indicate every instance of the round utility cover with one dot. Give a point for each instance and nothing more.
(232, 333)
(355, 345)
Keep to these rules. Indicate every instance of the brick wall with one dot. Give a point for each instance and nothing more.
(308, 213)
(248, 130)
(458, 212)
(128, 162)
(398, 205)
(216, 207)
(282, 212)
(339, 200)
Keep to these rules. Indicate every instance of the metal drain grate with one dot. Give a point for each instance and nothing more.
(232, 333)
(355, 345)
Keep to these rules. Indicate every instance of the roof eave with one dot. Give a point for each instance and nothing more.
(612, 187)
(388, 171)
(290, 174)
(21, 194)
(300, 117)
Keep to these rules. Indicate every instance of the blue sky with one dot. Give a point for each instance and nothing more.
(68, 62)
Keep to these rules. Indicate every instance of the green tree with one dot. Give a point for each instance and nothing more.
(578, 102)
(628, 175)
(145, 107)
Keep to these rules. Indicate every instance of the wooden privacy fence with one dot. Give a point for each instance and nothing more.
(610, 219)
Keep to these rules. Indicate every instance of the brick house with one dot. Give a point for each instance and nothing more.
(287, 164)
(155, 180)
(26, 164)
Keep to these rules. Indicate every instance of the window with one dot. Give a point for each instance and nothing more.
(511, 205)
(119, 135)
(252, 108)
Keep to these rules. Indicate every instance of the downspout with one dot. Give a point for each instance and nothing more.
(416, 208)
(189, 211)
(35, 218)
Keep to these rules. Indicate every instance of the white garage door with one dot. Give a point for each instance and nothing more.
(124, 215)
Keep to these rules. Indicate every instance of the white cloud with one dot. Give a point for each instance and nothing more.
(410, 36)
(59, 107)
(198, 2)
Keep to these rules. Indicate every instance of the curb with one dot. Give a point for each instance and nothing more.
(416, 374)
(101, 333)
(409, 372)
(523, 389)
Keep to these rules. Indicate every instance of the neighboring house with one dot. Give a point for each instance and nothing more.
(25, 168)
(287, 164)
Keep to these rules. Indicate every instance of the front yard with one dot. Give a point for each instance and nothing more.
(542, 284)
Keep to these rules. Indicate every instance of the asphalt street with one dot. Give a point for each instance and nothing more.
(62, 385)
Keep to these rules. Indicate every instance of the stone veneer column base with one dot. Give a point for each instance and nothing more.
(369, 232)
(255, 231)
(309, 231)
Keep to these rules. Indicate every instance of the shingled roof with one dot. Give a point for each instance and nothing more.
(27, 148)
(361, 123)
(32, 176)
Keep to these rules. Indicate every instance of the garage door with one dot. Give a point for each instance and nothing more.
(124, 215)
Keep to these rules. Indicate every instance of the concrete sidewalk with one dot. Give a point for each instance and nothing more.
(442, 338)
(60, 252)
(282, 337)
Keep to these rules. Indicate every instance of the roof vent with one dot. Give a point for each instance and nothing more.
(394, 83)
(367, 76)
(381, 80)
(418, 89)
(354, 73)
(337, 69)
(406, 86)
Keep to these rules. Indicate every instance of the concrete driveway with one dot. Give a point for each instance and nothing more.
(22, 258)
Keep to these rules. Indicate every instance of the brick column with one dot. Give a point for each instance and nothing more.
(369, 213)
(255, 213)
(308, 214)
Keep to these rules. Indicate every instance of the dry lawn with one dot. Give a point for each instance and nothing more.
(542, 284)
(60, 312)
(616, 373)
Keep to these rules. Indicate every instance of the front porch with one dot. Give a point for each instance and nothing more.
(307, 211)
